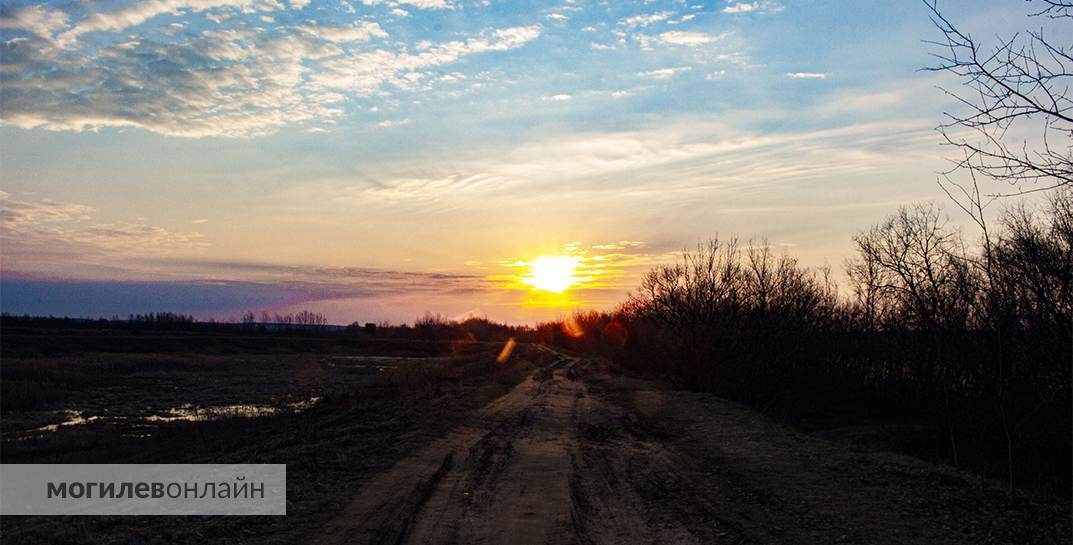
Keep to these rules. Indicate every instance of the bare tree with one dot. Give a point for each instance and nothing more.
(1015, 124)
(913, 260)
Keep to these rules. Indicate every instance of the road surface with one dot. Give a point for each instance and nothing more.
(574, 454)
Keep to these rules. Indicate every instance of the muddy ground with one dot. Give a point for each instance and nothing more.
(550, 447)
(575, 454)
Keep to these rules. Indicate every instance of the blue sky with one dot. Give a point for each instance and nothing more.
(379, 158)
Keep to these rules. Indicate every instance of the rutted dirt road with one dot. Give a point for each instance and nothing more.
(503, 479)
(576, 455)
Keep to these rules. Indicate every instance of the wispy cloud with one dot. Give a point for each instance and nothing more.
(359, 32)
(760, 7)
(682, 157)
(16, 214)
(691, 39)
(47, 234)
(646, 19)
(665, 73)
(393, 123)
(806, 75)
(419, 4)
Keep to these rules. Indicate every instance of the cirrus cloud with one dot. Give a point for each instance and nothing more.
(665, 73)
(690, 39)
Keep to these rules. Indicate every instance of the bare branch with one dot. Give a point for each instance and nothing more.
(1015, 123)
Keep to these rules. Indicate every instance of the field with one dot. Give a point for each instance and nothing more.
(417, 441)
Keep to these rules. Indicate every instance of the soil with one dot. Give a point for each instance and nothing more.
(575, 454)
(422, 443)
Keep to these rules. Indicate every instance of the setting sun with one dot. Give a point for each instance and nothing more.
(554, 274)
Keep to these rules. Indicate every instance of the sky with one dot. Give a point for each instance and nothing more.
(380, 159)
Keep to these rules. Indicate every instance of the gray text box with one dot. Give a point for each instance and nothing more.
(143, 489)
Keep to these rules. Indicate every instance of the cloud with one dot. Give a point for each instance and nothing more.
(393, 123)
(365, 73)
(684, 157)
(645, 20)
(360, 32)
(621, 245)
(298, 4)
(226, 289)
(15, 214)
(557, 98)
(230, 82)
(419, 4)
(39, 20)
(761, 7)
(139, 238)
(665, 73)
(806, 75)
(61, 233)
(691, 39)
(140, 12)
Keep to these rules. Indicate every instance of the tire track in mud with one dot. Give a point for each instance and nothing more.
(545, 463)
(504, 478)
(551, 463)
(629, 489)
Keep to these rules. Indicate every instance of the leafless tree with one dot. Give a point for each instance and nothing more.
(307, 317)
(1015, 121)
(915, 262)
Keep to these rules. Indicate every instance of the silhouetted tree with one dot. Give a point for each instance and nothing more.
(1016, 116)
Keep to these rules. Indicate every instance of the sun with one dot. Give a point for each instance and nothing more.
(554, 274)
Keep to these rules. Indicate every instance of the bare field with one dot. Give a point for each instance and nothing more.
(428, 443)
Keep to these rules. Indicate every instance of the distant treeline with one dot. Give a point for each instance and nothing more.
(975, 338)
(437, 327)
(427, 327)
(305, 320)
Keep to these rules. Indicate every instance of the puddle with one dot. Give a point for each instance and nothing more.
(362, 366)
(381, 362)
(191, 413)
(390, 358)
(74, 418)
(183, 413)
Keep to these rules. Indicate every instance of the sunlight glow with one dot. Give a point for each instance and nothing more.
(553, 274)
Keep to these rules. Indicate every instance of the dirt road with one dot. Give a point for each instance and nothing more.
(577, 455)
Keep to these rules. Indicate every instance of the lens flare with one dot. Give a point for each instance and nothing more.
(508, 349)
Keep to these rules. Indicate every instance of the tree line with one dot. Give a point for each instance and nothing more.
(977, 338)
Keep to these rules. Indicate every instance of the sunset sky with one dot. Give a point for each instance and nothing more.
(377, 159)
